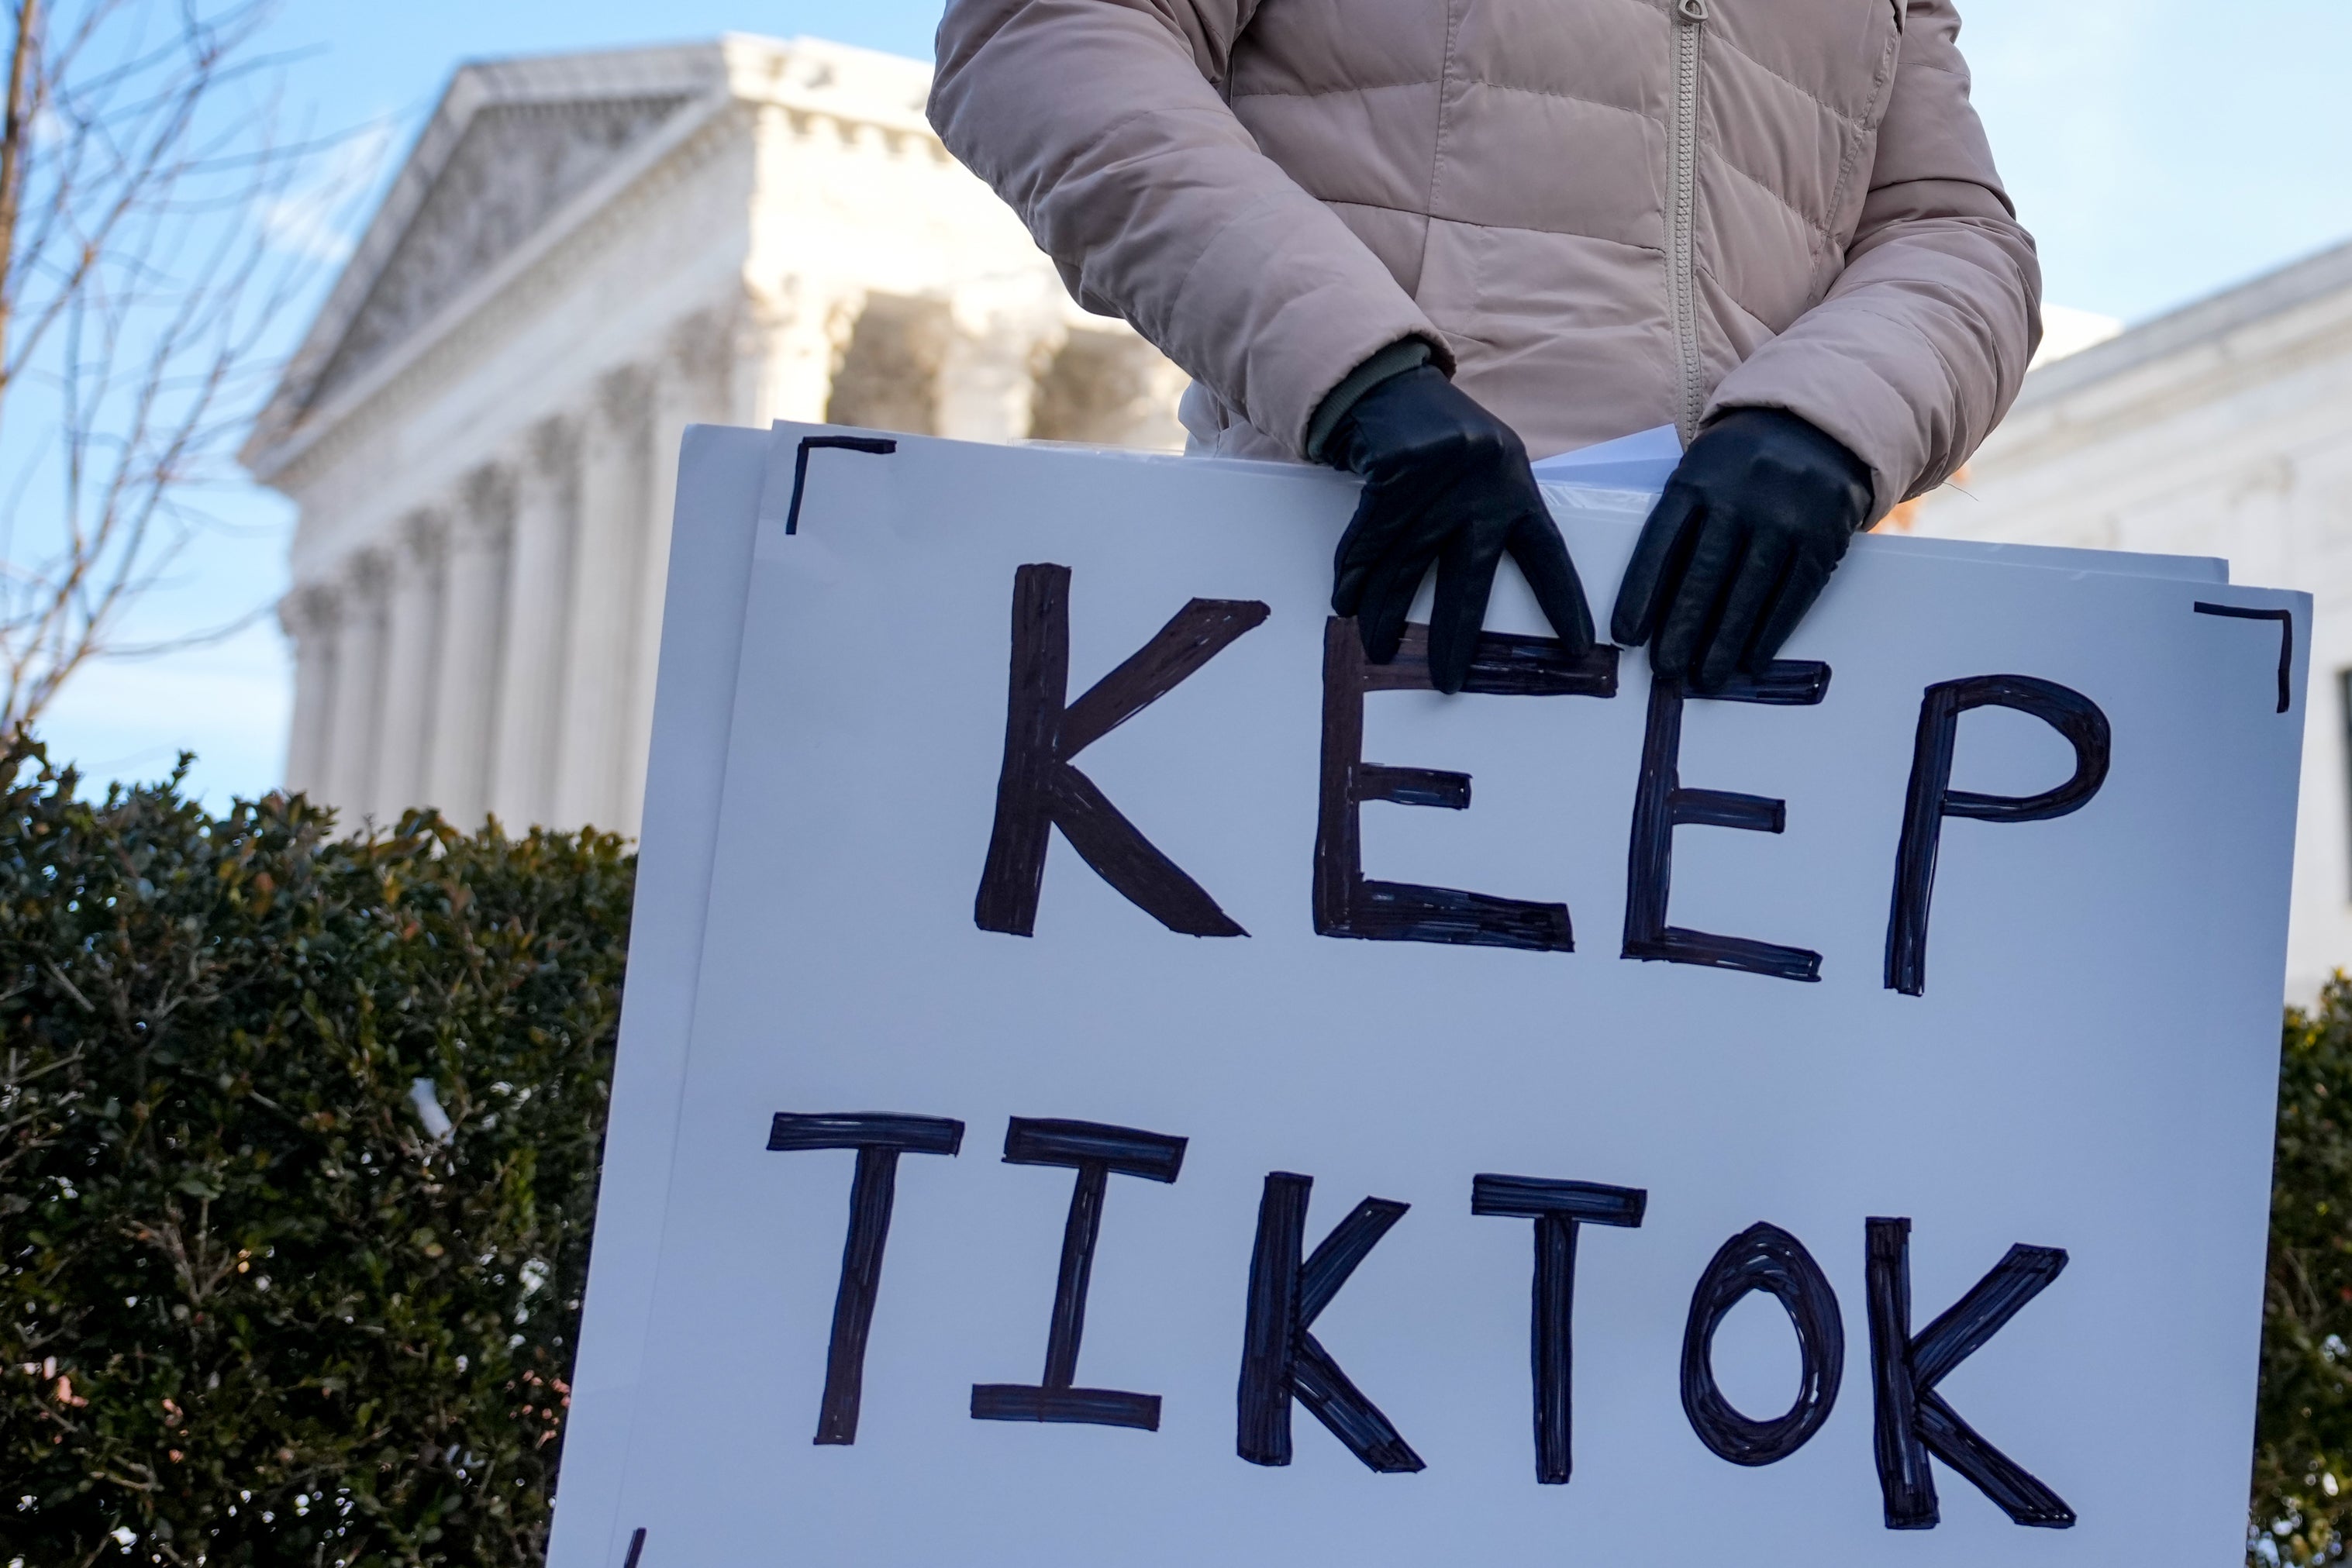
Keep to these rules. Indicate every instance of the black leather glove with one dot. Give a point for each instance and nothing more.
(1752, 523)
(1445, 483)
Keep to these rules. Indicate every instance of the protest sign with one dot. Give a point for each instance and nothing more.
(1111, 1077)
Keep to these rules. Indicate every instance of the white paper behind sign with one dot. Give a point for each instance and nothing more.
(1638, 462)
(2089, 1066)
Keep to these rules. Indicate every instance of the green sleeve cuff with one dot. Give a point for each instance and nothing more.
(1404, 354)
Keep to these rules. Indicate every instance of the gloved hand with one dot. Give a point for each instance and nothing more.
(1445, 482)
(1752, 523)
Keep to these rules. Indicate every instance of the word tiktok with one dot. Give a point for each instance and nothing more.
(1283, 1365)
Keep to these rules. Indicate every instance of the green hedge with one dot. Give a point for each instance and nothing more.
(2302, 1456)
(253, 1312)
(250, 1311)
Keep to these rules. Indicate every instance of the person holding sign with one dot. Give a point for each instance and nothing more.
(1419, 240)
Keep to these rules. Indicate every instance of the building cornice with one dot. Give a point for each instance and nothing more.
(2204, 321)
(2275, 326)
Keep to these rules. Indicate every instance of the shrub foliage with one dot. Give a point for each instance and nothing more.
(2302, 1453)
(252, 1311)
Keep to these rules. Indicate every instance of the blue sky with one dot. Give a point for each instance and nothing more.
(2160, 149)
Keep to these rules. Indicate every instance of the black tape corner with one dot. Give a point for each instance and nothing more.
(877, 444)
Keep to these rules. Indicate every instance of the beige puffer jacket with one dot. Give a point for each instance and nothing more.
(1605, 214)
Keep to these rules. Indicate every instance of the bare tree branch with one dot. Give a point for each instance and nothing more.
(140, 165)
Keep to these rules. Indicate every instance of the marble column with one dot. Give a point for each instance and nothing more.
(988, 382)
(690, 387)
(537, 624)
(1106, 388)
(308, 616)
(473, 647)
(412, 647)
(806, 332)
(614, 474)
(349, 759)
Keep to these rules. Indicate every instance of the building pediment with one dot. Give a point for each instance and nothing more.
(511, 143)
(514, 165)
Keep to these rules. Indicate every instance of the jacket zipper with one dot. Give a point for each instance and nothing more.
(1690, 20)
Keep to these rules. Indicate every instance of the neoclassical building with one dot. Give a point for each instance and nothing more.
(581, 255)
(2223, 429)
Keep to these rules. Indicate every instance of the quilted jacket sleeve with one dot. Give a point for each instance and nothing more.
(1919, 346)
(1105, 125)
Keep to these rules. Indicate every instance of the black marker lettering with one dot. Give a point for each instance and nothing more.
(1556, 1207)
(1932, 799)
(1040, 789)
(1661, 805)
(1912, 1419)
(879, 1141)
(1280, 1358)
(1346, 903)
(1763, 1258)
(1095, 1152)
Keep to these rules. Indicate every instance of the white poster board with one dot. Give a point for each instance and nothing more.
(1971, 917)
